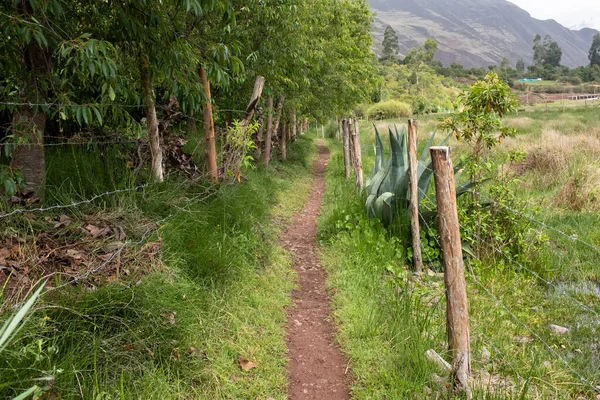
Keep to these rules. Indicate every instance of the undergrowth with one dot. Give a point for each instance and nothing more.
(389, 318)
(217, 293)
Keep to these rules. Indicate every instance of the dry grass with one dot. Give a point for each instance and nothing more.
(581, 191)
(561, 160)
(519, 123)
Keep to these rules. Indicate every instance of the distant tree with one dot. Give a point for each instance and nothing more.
(539, 52)
(594, 55)
(553, 53)
(546, 53)
(390, 43)
(430, 47)
(520, 66)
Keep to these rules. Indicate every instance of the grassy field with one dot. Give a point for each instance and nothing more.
(216, 293)
(388, 319)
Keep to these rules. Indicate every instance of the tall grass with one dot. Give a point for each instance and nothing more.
(218, 291)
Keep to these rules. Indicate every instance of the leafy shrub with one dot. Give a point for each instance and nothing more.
(389, 109)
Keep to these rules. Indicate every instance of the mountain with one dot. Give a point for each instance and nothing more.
(475, 33)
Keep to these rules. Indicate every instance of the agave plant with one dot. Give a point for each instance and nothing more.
(388, 186)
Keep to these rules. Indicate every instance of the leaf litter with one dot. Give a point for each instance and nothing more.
(68, 248)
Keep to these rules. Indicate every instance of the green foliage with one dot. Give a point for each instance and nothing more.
(594, 54)
(390, 44)
(546, 53)
(389, 109)
(220, 270)
(483, 106)
(388, 187)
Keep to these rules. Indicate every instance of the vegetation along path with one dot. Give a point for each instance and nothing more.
(317, 368)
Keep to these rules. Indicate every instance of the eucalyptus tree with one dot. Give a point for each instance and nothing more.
(46, 57)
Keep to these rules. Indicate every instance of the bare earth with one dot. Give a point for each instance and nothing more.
(317, 368)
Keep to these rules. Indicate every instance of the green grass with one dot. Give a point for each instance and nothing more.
(218, 291)
(388, 320)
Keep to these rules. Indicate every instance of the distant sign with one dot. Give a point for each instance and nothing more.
(530, 79)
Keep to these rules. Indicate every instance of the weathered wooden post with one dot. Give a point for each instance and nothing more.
(454, 268)
(346, 138)
(357, 155)
(284, 133)
(414, 195)
(269, 131)
(209, 130)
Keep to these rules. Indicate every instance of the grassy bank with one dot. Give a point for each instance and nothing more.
(215, 294)
(388, 319)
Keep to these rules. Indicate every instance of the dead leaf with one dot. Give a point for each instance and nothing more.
(245, 364)
(120, 233)
(169, 316)
(74, 254)
(176, 354)
(4, 254)
(63, 220)
(97, 232)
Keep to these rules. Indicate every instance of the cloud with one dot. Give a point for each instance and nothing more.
(574, 13)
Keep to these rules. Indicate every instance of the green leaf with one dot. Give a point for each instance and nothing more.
(111, 93)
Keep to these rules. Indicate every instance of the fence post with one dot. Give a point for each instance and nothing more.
(414, 195)
(346, 139)
(357, 154)
(454, 268)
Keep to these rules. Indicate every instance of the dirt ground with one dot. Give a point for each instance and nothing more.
(317, 368)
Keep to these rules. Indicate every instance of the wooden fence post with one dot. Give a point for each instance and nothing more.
(268, 133)
(346, 138)
(414, 195)
(358, 170)
(454, 268)
(284, 134)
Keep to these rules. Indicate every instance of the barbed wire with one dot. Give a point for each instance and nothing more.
(531, 331)
(473, 276)
(101, 105)
(82, 143)
(74, 204)
(572, 237)
(207, 194)
(537, 275)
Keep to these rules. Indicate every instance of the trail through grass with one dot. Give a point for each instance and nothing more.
(216, 294)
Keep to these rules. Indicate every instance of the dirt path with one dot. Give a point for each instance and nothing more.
(317, 368)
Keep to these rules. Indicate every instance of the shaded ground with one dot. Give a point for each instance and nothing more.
(317, 368)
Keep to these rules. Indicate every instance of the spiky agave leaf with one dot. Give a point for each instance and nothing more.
(384, 208)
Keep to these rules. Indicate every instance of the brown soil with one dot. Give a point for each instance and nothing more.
(317, 368)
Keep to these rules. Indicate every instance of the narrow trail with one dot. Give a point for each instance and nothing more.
(317, 368)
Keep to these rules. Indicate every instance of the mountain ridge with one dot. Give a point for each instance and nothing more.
(475, 33)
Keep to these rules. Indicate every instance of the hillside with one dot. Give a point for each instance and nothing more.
(475, 33)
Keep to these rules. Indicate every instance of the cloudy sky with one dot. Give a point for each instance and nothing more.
(572, 13)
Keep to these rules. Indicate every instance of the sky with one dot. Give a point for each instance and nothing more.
(574, 14)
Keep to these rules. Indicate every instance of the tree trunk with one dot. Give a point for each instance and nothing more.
(338, 132)
(209, 130)
(358, 170)
(259, 84)
(279, 112)
(284, 133)
(267, 158)
(294, 125)
(259, 135)
(30, 158)
(29, 123)
(151, 120)
(346, 138)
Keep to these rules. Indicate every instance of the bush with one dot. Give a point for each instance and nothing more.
(389, 109)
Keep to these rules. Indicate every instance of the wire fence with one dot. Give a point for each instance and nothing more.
(472, 275)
